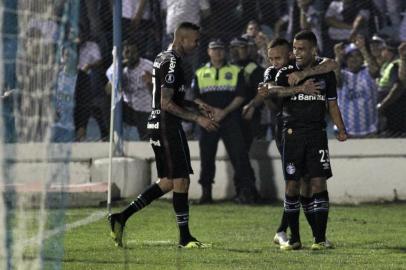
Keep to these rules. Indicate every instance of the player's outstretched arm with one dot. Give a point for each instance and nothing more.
(335, 116)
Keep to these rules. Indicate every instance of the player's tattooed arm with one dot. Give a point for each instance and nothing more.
(308, 87)
(325, 66)
(168, 105)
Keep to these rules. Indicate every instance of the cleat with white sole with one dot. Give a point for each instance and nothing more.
(280, 238)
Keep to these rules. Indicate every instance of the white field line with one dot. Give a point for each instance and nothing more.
(64, 228)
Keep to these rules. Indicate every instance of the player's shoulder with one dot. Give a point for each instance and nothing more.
(270, 73)
(166, 57)
(287, 69)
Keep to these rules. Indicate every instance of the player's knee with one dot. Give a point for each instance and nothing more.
(318, 185)
(292, 188)
(181, 185)
(306, 189)
(165, 185)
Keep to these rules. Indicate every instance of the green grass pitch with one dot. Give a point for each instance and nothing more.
(366, 237)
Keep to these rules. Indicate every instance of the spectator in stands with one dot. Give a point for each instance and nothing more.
(289, 23)
(393, 106)
(89, 15)
(220, 86)
(257, 43)
(311, 20)
(138, 24)
(137, 88)
(376, 45)
(177, 11)
(63, 129)
(90, 99)
(357, 90)
(346, 19)
(402, 29)
(390, 16)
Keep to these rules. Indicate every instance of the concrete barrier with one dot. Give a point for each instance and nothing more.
(130, 175)
(364, 170)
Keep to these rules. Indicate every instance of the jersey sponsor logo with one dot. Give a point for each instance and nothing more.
(304, 97)
(170, 78)
(326, 166)
(153, 126)
(156, 112)
(228, 76)
(172, 65)
(155, 143)
(290, 168)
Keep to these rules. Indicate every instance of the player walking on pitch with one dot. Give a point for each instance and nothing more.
(167, 137)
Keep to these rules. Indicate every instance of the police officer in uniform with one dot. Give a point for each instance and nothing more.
(220, 86)
(252, 76)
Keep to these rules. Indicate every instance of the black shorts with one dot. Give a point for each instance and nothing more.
(305, 154)
(171, 153)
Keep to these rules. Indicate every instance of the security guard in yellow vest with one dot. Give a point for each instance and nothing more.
(220, 86)
(253, 75)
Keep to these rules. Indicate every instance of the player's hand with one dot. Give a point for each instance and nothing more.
(263, 90)
(219, 115)
(207, 111)
(295, 77)
(342, 135)
(310, 87)
(248, 112)
(207, 123)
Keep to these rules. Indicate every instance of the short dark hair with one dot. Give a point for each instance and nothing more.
(278, 42)
(188, 25)
(307, 35)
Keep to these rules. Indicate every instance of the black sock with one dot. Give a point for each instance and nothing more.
(283, 227)
(292, 210)
(321, 208)
(181, 207)
(150, 194)
(307, 205)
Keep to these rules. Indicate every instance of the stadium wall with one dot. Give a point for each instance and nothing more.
(367, 170)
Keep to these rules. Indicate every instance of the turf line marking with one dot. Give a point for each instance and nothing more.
(65, 228)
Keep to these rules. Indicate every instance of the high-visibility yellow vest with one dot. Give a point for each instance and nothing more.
(226, 81)
(385, 80)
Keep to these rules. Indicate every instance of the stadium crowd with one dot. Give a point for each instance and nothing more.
(363, 36)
